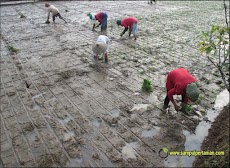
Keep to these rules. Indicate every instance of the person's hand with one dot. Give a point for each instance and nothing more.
(177, 108)
(47, 22)
(183, 107)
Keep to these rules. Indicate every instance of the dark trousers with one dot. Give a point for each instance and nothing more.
(166, 101)
(104, 22)
(57, 15)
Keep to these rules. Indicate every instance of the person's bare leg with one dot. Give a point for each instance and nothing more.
(106, 57)
(96, 57)
(135, 36)
(62, 18)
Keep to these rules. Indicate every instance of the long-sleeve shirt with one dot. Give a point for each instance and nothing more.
(177, 82)
(99, 17)
(52, 9)
(128, 22)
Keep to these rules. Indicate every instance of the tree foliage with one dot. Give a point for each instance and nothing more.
(214, 44)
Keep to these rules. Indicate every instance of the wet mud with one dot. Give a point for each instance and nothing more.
(61, 107)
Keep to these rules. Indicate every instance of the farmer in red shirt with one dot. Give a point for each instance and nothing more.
(129, 23)
(180, 82)
(101, 17)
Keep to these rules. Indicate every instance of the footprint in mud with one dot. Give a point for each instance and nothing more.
(97, 67)
(68, 136)
(139, 108)
(123, 87)
(45, 161)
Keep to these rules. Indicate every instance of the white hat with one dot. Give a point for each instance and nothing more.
(99, 48)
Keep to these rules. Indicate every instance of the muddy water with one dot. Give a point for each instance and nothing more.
(128, 150)
(150, 133)
(194, 141)
(96, 122)
(115, 113)
(140, 107)
(74, 162)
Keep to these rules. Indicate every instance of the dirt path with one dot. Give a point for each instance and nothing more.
(61, 108)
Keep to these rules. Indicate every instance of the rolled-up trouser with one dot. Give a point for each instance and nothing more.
(57, 15)
(134, 28)
(104, 21)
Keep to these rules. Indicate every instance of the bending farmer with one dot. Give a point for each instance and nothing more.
(101, 17)
(55, 12)
(129, 23)
(101, 47)
(180, 82)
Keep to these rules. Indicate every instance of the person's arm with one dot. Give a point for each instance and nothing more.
(107, 40)
(170, 96)
(49, 10)
(124, 31)
(95, 26)
(48, 17)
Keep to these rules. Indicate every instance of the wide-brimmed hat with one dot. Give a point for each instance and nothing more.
(118, 22)
(192, 92)
(99, 48)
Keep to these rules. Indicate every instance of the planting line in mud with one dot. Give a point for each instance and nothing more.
(3, 127)
(101, 117)
(47, 75)
(35, 127)
(84, 115)
(30, 120)
(44, 117)
(49, 112)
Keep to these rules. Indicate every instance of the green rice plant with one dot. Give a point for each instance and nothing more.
(142, 72)
(188, 108)
(21, 15)
(214, 163)
(12, 49)
(147, 86)
(199, 99)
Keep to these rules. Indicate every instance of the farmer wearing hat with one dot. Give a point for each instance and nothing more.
(101, 47)
(129, 23)
(180, 82)
(55, 12)
(101, 17)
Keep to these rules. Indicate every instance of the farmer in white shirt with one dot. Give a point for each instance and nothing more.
(55, 12)
(101, 47)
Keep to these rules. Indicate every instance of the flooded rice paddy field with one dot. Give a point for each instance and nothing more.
(61, 108)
